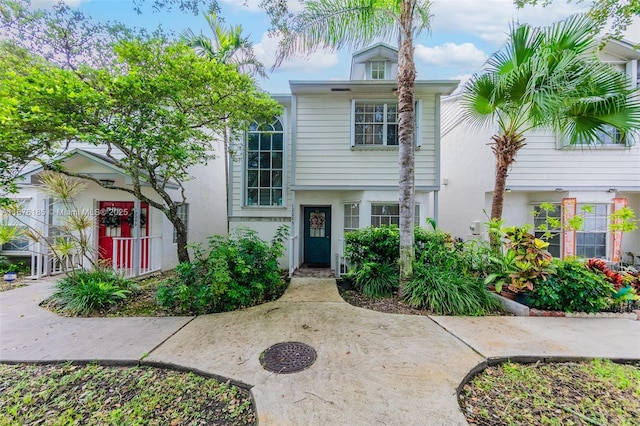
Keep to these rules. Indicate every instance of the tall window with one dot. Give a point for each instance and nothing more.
(376, 123)
(351, 217)
(265, 164)
(547, 223)
(378, 69)
(389, 214)
(183, 214)
(591, 240)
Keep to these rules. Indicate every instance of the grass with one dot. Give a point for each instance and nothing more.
(98, 395)
(599, 392)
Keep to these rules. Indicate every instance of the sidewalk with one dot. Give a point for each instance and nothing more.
(371, 368)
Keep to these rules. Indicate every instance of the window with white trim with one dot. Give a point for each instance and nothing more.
(611, 136)
(351, 217)
(376, 123)
(16, 217)
(591, 239)
(183, 215)
(378, 70)
(547, 225)
(264, 164)
(389, 214)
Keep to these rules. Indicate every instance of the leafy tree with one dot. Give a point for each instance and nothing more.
(548, 78)
(620, 12)
(37, 98)
(354, 24)
(153, 104)
(227, 46)
(160, 113)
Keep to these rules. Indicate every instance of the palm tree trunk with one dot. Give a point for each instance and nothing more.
(505, 147)
(406, 130)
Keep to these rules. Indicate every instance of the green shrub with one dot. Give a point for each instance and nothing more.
(574, 288)
(86, 291)
(448, 292)
(444, 279)
(237, 271)
(371, 244)
(377, 279)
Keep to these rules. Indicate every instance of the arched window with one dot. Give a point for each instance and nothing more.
(265, 157)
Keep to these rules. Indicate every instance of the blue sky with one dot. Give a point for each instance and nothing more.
(464, 33)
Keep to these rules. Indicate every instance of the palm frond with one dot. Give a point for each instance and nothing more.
(335, 24)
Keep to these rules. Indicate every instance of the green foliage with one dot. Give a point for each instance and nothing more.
(532, 260)
(444, 278)
(377, 279)
(371, 244)
(88, 291)
(444, 290)
(20, 267)
(574, 288)
(237, 271)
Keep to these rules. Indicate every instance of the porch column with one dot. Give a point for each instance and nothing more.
(136, 237)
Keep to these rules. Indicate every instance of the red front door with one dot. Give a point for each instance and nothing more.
(116, 221)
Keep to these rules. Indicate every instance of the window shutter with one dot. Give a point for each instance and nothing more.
(569, 206)
(352, 120)
(367, 71)
(418, 118)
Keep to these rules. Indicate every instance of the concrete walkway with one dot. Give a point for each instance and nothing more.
(371, 368)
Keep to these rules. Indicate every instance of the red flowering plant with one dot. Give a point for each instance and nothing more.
(626, 285)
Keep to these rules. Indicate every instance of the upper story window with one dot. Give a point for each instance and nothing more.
(611, 136)
(378, 70)
(265, 158)
(376, 123)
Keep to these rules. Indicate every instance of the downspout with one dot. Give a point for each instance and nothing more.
(436, 193)
(293, 231)
(137, 215)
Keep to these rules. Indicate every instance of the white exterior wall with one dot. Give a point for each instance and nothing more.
(541, 163)
(324, 156)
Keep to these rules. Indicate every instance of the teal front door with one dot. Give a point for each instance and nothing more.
(317, 236)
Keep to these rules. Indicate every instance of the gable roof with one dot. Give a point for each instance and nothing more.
(376, 51)
(101, 160)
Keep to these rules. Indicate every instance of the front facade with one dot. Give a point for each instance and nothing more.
(128, 235)
(601, 178)
(330, 163)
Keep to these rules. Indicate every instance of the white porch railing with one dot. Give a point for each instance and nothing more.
(292, 254)
(129, 262)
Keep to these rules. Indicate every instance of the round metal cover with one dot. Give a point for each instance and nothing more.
(288, 357)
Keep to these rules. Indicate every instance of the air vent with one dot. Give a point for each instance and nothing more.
(340, 89)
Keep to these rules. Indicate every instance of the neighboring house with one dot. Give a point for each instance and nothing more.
(606, 176)
(330, 163)
(113, 237)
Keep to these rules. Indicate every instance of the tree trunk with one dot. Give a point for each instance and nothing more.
(504, 147)
(406, 129)
(181, 234)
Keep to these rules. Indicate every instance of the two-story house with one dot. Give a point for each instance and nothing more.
(605, 176)
(329, 164)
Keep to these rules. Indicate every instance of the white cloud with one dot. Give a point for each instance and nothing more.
(490, 19)
(450, 54)
(254, 5)
(266, 53)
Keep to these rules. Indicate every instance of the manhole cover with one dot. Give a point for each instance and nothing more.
(288, 357)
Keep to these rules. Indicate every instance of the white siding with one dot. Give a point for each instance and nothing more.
(539, 163)
(324, 156)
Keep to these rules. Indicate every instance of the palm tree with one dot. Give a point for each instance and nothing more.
(548, 78)
(227, 46)
(335, 24)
